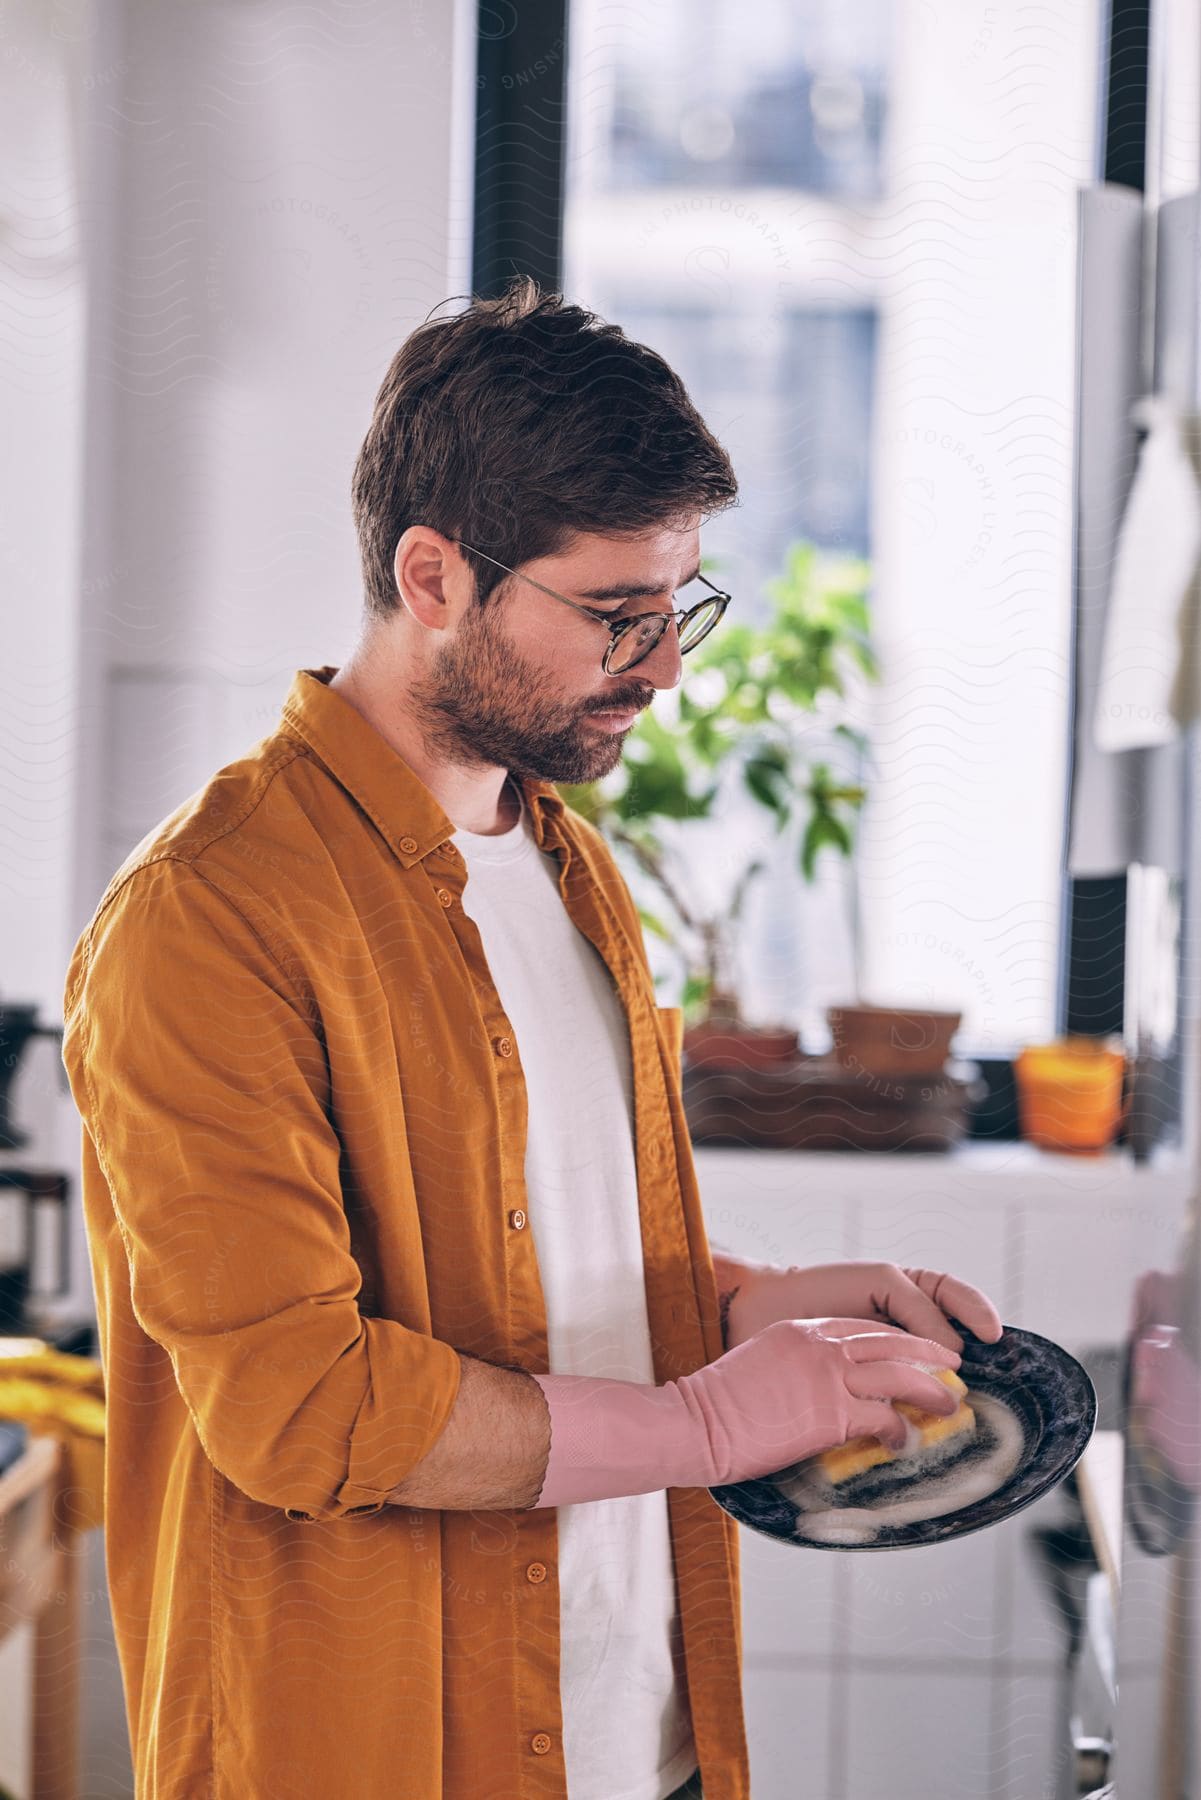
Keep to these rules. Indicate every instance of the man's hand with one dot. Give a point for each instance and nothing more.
(919, 1300)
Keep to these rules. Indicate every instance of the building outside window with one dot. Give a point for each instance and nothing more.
(873, 307)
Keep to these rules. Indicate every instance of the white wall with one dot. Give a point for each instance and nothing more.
(266, 200)
(992, 131)
(42, 320)
(933, 1672)
(222, 221)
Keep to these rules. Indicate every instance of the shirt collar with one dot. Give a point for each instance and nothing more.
(385, 786)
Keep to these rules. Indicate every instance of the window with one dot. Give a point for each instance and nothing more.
(852, 231)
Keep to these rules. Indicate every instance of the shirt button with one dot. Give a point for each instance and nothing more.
(445, 897)
(503, 1046)
(517, 1219)
(536, 1572)
(450, 849)
(540, 1743)
(408, 845)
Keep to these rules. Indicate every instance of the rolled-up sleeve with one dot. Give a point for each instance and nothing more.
(202, 1082)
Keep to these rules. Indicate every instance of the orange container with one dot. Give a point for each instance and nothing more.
(1070, 1093)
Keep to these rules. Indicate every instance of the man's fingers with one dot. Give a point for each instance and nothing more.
(893, 1381)
(906, 1301)
(886, 1341)
(874, 1418)
(880, 1332)
(961, 1300)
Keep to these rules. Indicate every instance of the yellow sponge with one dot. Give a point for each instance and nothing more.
(925, 1430)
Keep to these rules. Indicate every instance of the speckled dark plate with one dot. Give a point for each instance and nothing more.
(1041, 1383)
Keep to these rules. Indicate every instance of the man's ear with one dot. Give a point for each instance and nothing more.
(432, 580)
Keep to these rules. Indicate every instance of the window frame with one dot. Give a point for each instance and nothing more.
(517, 227)
(521, 104)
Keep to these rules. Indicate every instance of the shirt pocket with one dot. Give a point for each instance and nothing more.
(671, 1024)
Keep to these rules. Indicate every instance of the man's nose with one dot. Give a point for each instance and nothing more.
(663, 665)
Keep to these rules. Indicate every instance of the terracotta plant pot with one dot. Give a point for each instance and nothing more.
(741, 1046)
(891, 1040)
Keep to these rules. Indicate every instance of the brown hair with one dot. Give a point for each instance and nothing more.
(519, 422)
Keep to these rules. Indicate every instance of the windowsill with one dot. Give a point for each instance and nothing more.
(1017, 1154)
(974, 1162)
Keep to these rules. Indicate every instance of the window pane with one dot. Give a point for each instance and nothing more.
(790, 398)
(881, 333)
(687, 94)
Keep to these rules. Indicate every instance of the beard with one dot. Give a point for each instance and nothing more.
(483, 703)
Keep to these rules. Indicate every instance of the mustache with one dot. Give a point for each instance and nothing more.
(624, 704)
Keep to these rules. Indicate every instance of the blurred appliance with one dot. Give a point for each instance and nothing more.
(34, 1226)
(33, 1244)
(18, 1024)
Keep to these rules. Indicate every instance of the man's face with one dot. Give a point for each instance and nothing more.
(518, 684)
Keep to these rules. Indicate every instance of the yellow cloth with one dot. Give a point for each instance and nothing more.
(62, 1396)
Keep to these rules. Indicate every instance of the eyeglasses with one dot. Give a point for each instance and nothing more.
(632, 638)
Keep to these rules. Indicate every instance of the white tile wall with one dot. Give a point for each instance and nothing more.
(932, 1605)
(918, 1735)
(921, 1227)
(1028, 1628)
(1140, 1745)
(788, 1721)
(1077, 1273)
(772, 1208)
(939, 1668)
(789, 1598)
(1028, 1744)
(1145, 1606)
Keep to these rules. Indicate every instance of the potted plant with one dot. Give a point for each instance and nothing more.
(763, 705)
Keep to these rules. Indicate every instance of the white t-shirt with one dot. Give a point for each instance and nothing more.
(627, 1728)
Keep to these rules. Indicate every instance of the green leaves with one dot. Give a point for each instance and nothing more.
(661, 776)
(821, 617)
(655, 925)
(695, 997)
(767, 773)
(825, 826)
(747, 701)
(747, 695)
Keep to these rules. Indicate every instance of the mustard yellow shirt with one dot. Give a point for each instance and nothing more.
(304, 1125)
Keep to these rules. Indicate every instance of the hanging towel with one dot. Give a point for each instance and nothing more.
(1145, 691)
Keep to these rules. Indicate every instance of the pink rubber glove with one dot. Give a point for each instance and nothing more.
(918, 1299)
(799, 1387)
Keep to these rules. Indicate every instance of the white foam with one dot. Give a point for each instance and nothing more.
(988, 1460)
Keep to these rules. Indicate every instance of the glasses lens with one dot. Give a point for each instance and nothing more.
(641, 638)
(635, 643)
(700, 624)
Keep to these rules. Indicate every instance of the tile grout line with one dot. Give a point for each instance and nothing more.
(1013, 1241)
(840, 1661)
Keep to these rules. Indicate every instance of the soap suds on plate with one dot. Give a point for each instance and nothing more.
(896, 1493)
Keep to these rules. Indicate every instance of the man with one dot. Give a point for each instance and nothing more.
(383, 1125)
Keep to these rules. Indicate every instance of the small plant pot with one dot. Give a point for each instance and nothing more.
(740, 1046)
(1070, 1093)
(891, 1040)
